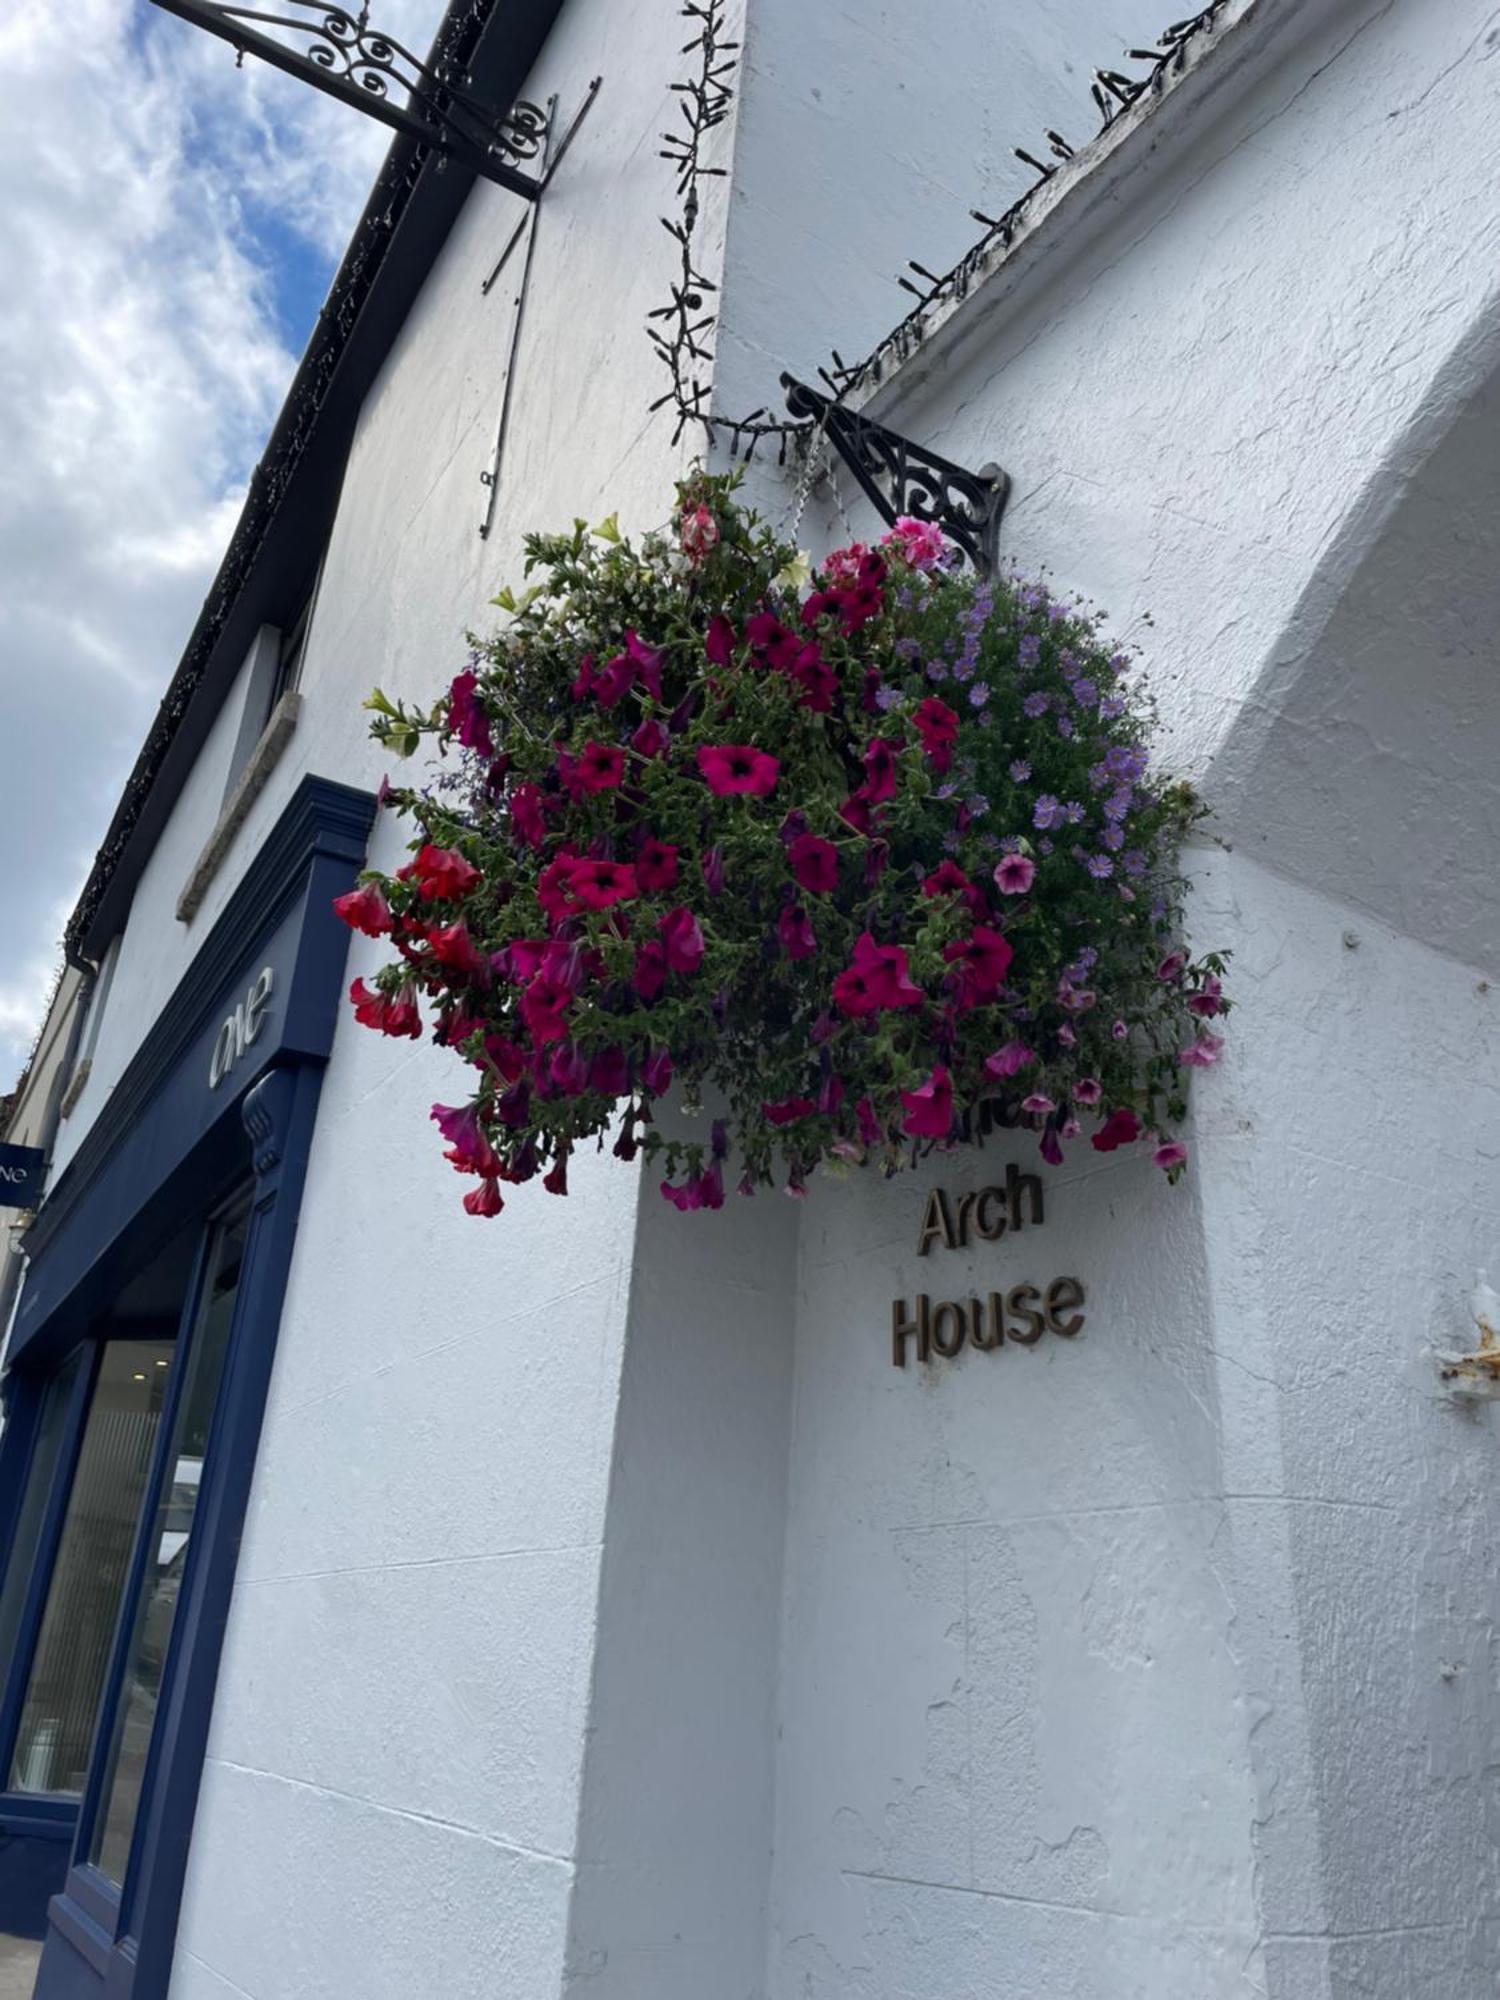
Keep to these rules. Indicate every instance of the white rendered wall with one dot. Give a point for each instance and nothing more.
(391, 1798)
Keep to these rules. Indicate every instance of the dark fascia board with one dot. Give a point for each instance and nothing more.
(294, 490)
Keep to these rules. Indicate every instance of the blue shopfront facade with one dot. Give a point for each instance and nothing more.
(135, 1384)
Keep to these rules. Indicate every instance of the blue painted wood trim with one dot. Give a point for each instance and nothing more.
(162, 1108)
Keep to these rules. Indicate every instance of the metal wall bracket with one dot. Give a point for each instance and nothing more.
(354, 62)
(899, 477)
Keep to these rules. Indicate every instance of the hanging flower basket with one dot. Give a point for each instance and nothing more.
(875, 855)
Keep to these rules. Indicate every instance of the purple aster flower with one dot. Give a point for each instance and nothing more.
(937, 670)
(1114, 837)
(979, 694)
(1134, 863)
(1085, 692)
(1048, 812)
(886, 697)
(1073, 813)
(1112, 708)
(1100, 867)
(1065, 725)
(1034, 705)
(1020, 770)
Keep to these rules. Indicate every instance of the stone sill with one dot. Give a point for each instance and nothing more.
(263, 761)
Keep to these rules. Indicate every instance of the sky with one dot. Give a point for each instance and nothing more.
(169, 228)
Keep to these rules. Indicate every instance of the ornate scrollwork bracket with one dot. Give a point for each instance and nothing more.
(899, 477)
(356, 63)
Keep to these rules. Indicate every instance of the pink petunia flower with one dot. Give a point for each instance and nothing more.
(929, 1110)
(1014, 874)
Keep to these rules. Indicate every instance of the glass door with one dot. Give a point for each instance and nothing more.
(167, 1546)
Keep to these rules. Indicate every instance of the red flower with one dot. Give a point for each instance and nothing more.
(470, 1151)
(877, 979)
(601, 767)
(937, 725)
(595, 885)
(396, 1016)
(609, 1072)
(774, 644)
(444, 875)
(486, 1199)
(1120, 1128)
(788, 1110)
(738, 767)
(650, 738)
(544, 1009)
(983, 959)
(815, 863)
(681, 940)
(556, 1182)
(880, 770)
(869, 1124)
(527, 816)
(656, 865)
(700, 532)
(648, 662)
(365, 910)
(454, 947)
(929, 1110)
(861, 604)
(796, 933)
(656, 1072)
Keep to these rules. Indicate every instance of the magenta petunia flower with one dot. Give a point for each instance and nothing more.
(788, 1111)
(486, 1199)
(1088, 1090)
(795, 930)
(983, 958)
(929, 1110)
(656, 1071)
(650, 974)
(1203, 1053)
(947, 879)
(681, 940)
(937, 725)
(877, 979)
(1038, 1102)
(732, 768)
(650, 737)
(466, 718)
(656, 865)
(527, 815)
(880, 770)
(469, 1150)
(545, 1005)
(1120, 1128)
(600, 767)
(598, 885)
(718, 646)
(1208, 1000)
(1173, 1154)
(1171, 968)
(815, 863)
(1009, 1060)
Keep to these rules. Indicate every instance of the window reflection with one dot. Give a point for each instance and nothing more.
(170, 1539)
(88, 1579)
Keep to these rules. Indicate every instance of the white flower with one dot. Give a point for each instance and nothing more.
(796, 575)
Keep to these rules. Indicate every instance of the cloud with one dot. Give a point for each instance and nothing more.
(169, 228)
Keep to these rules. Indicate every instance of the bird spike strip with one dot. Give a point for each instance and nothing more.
(682, 330)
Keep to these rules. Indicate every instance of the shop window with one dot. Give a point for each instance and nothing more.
(93, 1558)
(51, 1431)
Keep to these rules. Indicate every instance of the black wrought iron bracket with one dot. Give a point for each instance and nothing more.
(358, 64)
(899, 477)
